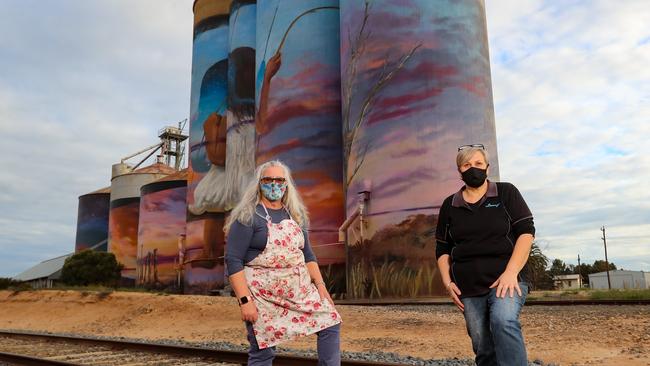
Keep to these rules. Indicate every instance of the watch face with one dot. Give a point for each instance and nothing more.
(243, 300)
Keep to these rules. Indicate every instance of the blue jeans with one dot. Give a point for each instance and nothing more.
(328, 345)
(493, 325)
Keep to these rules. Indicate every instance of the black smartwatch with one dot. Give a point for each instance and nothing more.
(243, 300)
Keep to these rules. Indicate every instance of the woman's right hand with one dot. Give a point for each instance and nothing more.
(249, 312)
(454, 292)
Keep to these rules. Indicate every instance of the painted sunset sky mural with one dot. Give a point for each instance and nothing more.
(162, 222)
(415, 86)
(123, 234)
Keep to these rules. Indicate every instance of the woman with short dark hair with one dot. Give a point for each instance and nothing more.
(484, 235)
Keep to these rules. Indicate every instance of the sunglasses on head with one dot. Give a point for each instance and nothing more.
(267, 180)
(472, 146)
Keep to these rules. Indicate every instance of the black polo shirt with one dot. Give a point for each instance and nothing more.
(480, 237)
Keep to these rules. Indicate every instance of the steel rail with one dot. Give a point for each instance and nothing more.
(217, 355)
(16, 359)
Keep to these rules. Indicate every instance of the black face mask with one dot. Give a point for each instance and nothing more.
(474, 177)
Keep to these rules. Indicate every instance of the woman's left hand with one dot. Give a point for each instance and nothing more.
(324, 294)
(507, 282)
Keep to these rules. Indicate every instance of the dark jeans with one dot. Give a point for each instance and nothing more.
(493, 325)
(327, 344)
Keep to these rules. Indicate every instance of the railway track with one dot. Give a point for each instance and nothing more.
(22, 348)
(40, 349)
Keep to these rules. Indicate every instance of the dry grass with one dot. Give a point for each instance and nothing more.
(584, 294)
(392, 279)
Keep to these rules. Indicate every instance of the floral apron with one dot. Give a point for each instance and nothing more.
(288, 303)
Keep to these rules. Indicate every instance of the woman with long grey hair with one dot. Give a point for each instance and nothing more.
(274, 272)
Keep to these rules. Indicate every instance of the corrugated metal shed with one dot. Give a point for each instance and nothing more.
(50, 268)
(620, 279)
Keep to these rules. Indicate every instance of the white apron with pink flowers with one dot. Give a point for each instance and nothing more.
(288, 303)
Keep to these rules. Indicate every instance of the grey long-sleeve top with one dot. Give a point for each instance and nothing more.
(247, 242)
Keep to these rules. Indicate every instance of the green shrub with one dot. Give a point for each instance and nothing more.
(89, 267)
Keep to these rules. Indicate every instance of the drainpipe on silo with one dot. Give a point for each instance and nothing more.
(362, 197)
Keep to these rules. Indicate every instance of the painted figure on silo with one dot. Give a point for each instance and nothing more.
(229, 139)
(240, 146)
(298, 114)
(203, 268)
(415, 84)
(223, 130)
(208, 193)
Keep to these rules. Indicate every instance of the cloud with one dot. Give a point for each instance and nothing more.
(83, 84)
(571, 92)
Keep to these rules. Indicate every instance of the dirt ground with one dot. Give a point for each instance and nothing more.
(578, 335)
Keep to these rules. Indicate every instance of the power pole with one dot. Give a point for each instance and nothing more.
(579, 273)
(609, 282)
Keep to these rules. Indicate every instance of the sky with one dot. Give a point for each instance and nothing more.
(83, 84)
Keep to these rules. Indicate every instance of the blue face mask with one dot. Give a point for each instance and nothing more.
(273, 191)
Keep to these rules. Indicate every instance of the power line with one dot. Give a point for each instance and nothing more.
(609, 283)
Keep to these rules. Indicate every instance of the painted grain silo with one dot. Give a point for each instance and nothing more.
(415, 81)
(92, 220)
(240, 146)
(124, 212)
(299, 114)
(161, 232)
(207, 191)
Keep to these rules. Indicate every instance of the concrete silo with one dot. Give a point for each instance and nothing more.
(92, 220)
(124, 212)
(161, 232)
(415, 81)
(207, 189)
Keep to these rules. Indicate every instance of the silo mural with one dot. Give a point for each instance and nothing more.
(207, 190)
(240, 146)
(124, 213)
(299, 114)
(163, 207)
(92, 221)
(415, 79)
(123, 235)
